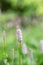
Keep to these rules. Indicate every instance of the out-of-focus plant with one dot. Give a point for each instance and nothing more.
(13, 56)
(19, 39)
(4, 41)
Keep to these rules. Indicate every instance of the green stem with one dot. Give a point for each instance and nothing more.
(4, 48)
(31, 61)
(20, 57)
(12, 61)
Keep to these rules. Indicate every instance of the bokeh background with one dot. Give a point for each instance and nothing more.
(29, 15)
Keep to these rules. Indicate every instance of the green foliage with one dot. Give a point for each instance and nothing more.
(7, 16)
(34, 7)
(40, 59)
(31, 37)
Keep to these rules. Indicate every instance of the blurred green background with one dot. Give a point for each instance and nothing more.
(29, 15)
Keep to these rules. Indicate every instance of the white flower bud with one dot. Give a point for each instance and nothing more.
(24, 49)
(5, 61)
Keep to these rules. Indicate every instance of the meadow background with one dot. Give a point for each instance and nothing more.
(29, 15)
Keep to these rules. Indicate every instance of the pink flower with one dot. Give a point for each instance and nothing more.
(41, 42)
(19, 34)
(24, 49)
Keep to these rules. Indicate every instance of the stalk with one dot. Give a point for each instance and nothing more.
(20, 56)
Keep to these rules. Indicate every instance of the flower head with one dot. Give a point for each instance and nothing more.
(41, 42)
(24, 49)
(19, 33)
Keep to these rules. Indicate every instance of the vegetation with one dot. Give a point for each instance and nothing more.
(29, 11)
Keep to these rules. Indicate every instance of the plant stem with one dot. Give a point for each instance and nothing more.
(4, 48)
(20, 56)
(12, 61)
